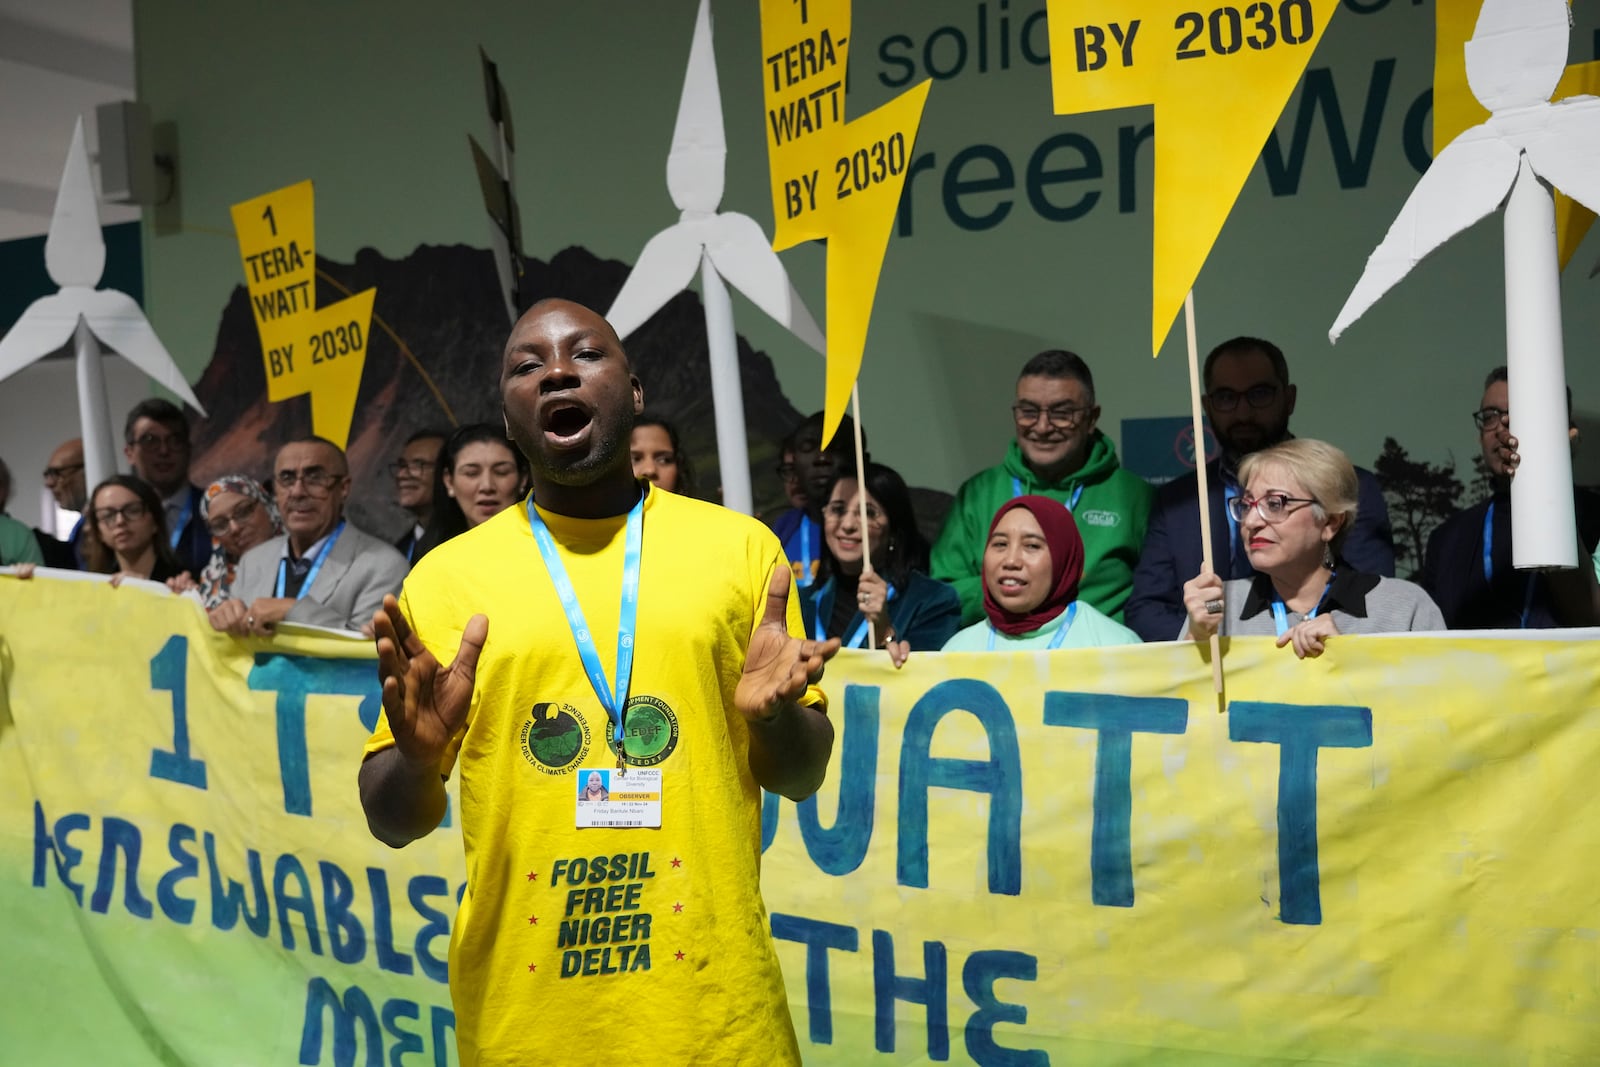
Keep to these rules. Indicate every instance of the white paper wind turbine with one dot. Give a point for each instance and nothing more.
(75, 256)
(726, 245)
(1516, 56)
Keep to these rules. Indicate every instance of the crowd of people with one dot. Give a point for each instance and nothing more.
(1056, 546)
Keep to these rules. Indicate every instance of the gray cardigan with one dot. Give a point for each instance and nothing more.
(1359, 603)
(350, 587)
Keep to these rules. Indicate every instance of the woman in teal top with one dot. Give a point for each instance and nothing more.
(1032, 564)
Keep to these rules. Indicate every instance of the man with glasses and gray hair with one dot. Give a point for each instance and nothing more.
(156, 445)
(1060, 453)
(1467, 567)
(321, 571)
(1248, 400)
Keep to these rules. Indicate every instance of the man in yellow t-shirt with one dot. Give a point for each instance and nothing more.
(624, 922)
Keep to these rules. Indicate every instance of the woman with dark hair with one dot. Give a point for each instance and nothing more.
(479, 475)
(658, 455)
(1032, 564)
(126, 532)
(908, 610)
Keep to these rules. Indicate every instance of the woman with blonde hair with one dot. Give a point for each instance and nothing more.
(1296, 508)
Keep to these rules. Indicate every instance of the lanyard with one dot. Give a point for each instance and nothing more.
(1488, 564)
(627, 617)
(1280, 614)
(316, 565)
(806, 526)
(183, 519)
(1056, 639)
(824, 599)
(1071, 504)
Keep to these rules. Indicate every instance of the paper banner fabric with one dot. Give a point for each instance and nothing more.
(832, 179)
(306, 349)
(1381, 856)
(1456, 110)
(1218, 77)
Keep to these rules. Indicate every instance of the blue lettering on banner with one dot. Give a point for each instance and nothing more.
(226, 904)
(418, 890)
(929, 991)
(1116, 719)
(1300, 731)
(287, 867)
(818, 937)
(169, 673)
(119, 835)
(178, 909)
(840, 850)
(1000, 776)
(347, 938)
(978, 977)
(349, 1028)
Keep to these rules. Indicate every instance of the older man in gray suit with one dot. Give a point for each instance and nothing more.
(322, 571)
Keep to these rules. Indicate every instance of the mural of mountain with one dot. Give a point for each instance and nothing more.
(443, 303)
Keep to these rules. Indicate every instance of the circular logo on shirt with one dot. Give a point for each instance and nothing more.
(555, 738)
(649, 732)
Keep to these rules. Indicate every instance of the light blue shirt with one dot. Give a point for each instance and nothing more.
(1090, 629)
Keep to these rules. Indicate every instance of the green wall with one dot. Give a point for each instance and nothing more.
(373, 102)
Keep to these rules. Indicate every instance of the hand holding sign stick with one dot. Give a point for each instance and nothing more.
(1218, 77)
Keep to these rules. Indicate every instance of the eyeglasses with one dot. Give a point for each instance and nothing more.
(127, 512)
(1490, 418)
(1057, 414)
(415, 466)
(314, 479)
(219, 524)
(1257, 396)
(157, 442)
(52, 474)
(838, 509)
(1273, 507)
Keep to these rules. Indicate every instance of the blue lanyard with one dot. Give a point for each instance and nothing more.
(183, 519)
(1280, 614)
(806, 526)
(1071, 504)
(1059, 636)
(627, 617)
(825, 599)
(316, 565)
(1488, 564)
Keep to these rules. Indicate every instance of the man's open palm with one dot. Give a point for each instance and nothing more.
(778, 666)
(425, 704)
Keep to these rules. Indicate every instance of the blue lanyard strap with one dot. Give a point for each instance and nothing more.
(1055, 639)
(806, 526)
(824, 605)
(1280, 614)
(1071, 503)
(183, 519)
(316, 565)
(1488, 564)
(627, 618)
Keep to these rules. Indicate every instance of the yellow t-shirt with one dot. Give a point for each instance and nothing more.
(673, 963)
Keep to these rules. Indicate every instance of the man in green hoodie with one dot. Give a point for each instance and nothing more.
(1058, 453)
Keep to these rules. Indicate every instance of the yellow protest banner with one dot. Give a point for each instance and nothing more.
(1456, 109)
(832, 179)
(1381, 856)
(1218, 76)
(305, 349)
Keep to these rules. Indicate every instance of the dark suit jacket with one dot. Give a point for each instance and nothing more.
(193, 547)
(1171, 554)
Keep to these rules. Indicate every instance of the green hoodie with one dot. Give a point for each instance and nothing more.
(1112, 513)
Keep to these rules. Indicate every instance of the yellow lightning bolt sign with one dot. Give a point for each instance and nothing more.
(306, 349)
(1218, 77)
(832, 179)
(1456, 110)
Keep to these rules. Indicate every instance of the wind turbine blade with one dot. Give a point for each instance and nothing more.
(45, 327)
(663, 270)
(1566, 153)
(75, 251)
(1517, 52)
(1467, 181)
(699, 149)
(743, 256)
(121, 326)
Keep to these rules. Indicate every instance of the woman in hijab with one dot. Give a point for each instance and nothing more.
(241, 515)
(1032, 565)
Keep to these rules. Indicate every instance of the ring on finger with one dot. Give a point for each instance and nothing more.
(1213, 607)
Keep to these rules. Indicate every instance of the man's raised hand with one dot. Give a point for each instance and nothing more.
(778, 666)
(425, 703)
